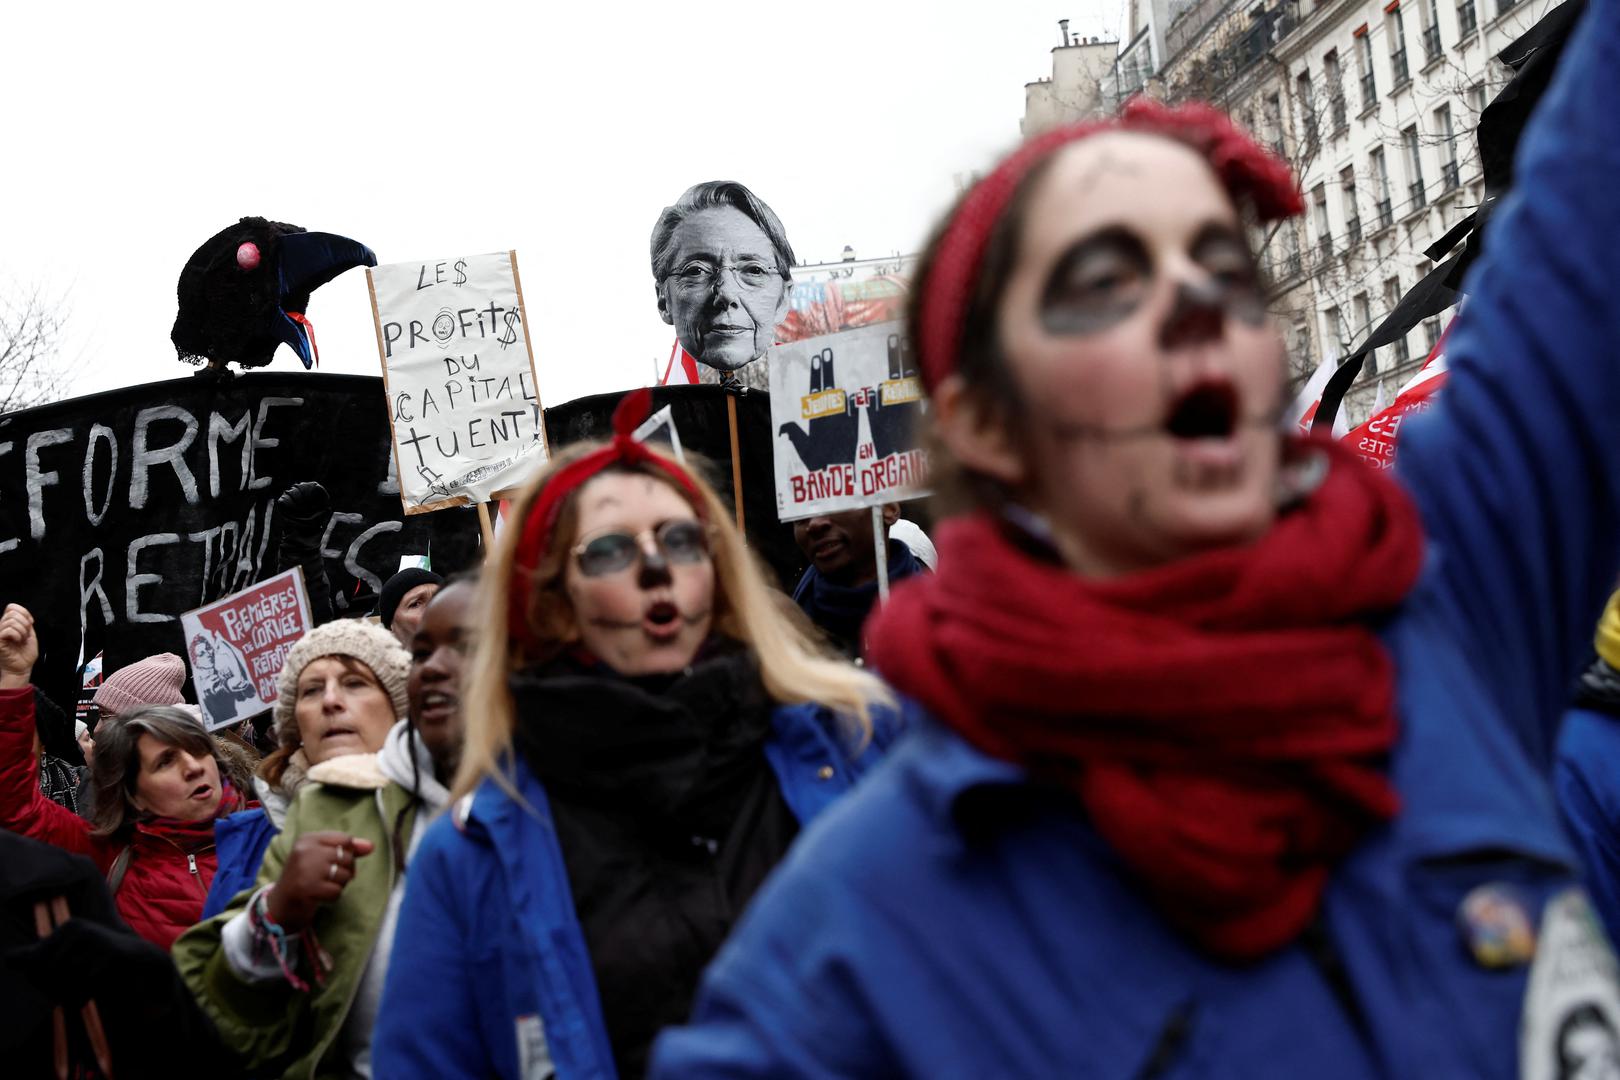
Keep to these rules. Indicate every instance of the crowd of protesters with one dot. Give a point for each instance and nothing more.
(1191, 749)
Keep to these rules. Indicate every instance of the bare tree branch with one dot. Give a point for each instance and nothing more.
(33, 369)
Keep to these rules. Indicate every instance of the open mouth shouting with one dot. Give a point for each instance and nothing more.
(201, 793)
(1203, 423)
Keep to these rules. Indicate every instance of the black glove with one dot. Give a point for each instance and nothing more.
(831, 439)
(304, 504)
(304, 510)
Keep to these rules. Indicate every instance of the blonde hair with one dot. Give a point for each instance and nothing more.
(793, 667)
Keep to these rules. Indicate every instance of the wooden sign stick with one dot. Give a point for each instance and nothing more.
(736, 464)
(487, 528)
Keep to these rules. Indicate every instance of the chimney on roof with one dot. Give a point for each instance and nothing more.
(1063, 25)
(849, 254)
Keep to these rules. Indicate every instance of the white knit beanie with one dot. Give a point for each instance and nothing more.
(366, 642)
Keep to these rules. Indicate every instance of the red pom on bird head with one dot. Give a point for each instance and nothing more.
(632, 410)
(1252, 176)
(247, 255)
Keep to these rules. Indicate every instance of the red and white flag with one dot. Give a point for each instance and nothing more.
(1375, 440)
(681, 370)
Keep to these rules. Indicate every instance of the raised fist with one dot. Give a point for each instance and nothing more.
(19, 647)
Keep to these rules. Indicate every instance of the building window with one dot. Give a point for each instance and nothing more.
(1417, 198)
(1333, 344)
(1392, 299)
(1476, 101)
(1324, 231)
(1467, 19)
(1306, 96)
(1431, 31)
(1396, 27)
(1364, 64)
(1272, 111)
(1450, 170)
(1380, 175)
(1431, 334)
(1361, 308)
(1352, 208)
(1333, 76)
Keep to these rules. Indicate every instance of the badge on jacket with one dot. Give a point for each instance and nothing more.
(1571, 1021)
(1495, 923)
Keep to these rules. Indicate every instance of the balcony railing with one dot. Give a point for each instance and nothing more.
(1398, 65)
(1386, 214)
(1369, 91)
(1467, 18)
(1431, 43)
(1419, 199)
(1340, 111)
(1452, 175)
(1352, 229)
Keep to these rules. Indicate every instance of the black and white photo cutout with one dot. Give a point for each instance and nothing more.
(722, 265)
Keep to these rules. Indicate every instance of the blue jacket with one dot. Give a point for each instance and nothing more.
(491, 973)
(1587, 780)
(899, 939)
(240, 841)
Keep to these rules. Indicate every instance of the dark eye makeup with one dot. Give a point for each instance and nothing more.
(1104, 277)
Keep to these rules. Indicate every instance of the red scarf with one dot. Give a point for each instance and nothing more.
(1225, 720)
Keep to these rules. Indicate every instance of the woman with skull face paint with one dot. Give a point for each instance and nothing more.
(1237, 753)
(642, 747)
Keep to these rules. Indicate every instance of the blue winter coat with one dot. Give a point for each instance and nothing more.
(491, 974)
(1587, 780)
(936, 924)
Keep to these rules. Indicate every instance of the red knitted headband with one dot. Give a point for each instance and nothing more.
(1248, 172)
(542, 517)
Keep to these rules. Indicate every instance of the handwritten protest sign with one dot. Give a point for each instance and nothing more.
(458, 368)
(237, 646)
(845, 409)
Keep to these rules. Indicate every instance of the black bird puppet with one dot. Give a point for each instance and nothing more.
(245, 290)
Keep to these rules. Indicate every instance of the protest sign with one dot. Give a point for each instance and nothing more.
(829, 297)
(120, 510)
(458, 365)
(845, 408)
(237, 645)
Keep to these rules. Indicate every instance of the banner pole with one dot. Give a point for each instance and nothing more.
(487, 528)
(882, 549)
(736, 463)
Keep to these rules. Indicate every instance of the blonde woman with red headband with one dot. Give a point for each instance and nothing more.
(1236, 750)
(643, 744)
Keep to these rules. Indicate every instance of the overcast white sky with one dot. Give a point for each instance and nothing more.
(136, 131)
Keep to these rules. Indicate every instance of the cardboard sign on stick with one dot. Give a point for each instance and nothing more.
(845, 409)
(458, 368)
(237, 645)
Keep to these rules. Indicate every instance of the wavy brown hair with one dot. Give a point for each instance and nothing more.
(117, 764)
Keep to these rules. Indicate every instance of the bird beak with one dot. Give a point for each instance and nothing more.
(305, 262)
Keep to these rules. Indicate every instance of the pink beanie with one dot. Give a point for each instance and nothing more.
(157, 680)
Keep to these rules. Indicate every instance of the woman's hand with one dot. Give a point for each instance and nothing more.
(19, 647)
(318, 867)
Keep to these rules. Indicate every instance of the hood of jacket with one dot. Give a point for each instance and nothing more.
(395, 762)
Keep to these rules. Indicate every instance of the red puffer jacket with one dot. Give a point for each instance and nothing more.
(171, 862)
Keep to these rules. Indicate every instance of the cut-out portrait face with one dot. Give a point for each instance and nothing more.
(721, 264)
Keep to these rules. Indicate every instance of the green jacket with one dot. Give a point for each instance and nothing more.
(271, 1025)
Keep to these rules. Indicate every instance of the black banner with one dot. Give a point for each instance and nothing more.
(120, 510)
